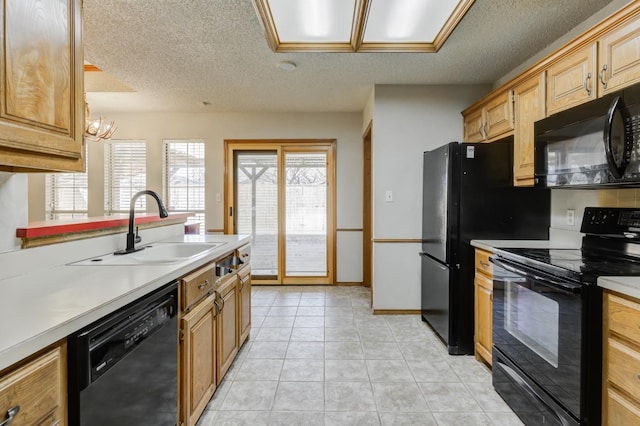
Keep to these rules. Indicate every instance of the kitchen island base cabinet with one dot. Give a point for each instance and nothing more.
(38, 388)
(244, 303)
(198, 361)
(227, 332)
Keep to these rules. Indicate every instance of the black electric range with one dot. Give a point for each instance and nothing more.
(547, 319)
(611, 247)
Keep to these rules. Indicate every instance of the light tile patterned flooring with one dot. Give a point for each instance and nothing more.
(317, 356)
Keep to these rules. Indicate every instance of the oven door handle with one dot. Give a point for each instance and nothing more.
(559, 285)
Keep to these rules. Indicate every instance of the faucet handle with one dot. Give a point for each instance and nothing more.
(138, 238)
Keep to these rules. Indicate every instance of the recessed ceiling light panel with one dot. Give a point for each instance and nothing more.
(359, 25)
(325, 21)
(417, 21)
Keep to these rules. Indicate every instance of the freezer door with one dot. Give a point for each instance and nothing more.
(440, 203)
(436, 279)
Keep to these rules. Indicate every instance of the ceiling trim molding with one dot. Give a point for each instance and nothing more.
(357, 43)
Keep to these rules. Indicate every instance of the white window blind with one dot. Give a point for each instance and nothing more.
(66, 195)
(184, 173)
(125, 174)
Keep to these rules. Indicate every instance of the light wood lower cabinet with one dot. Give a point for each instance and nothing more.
(244, 303)
(198, 344)
(621, 360)
(38, 388)
(483, 307)
(215, 319)
(227, 332)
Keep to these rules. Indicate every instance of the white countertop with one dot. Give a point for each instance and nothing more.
(40, 307)
(629, 286)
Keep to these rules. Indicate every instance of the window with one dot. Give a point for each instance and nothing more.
(66, 195)
(125, 170)
(184, 178)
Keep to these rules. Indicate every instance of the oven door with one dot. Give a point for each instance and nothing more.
(537, 325)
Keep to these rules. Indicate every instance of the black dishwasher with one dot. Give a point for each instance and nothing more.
(122, 369)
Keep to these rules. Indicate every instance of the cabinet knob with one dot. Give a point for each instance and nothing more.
(11, 413)
(485, 264)
(203, 285)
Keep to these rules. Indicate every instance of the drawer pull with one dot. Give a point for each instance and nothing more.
(203, 285)
(11, 413)
(484, 264)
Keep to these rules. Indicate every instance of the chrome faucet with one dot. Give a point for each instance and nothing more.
(132, 238)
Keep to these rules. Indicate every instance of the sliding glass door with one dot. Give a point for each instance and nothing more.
(256, 205)
(282, 194)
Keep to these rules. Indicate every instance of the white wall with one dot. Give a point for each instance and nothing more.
(407, 120)
(214, 128)
(13, 209)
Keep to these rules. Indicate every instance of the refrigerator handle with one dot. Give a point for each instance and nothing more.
(423, 254)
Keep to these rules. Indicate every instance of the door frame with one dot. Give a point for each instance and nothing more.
(281, 146)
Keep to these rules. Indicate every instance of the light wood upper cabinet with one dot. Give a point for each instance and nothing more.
(492, 120)
(572, 80)
(619, 57)
(529, 106)
(41, 80)
(39, 388)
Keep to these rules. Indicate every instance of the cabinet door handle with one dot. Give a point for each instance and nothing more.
(203, 285)
(601, 75)
(587, 85)
(11, 413)
(484, 264)
(215, 302)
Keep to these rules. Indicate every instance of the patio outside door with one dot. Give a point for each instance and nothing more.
(282, 194)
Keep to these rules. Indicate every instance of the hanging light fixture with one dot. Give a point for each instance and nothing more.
(98, 129)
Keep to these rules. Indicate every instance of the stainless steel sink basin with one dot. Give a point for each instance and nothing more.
(158, 253)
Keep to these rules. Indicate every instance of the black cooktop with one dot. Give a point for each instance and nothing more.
(610, 247)
(577, 264)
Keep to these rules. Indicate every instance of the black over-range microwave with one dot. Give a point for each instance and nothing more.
(595, 144)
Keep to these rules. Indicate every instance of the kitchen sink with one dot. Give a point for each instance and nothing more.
(158, 253)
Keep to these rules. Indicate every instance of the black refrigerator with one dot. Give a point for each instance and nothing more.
(468, 194)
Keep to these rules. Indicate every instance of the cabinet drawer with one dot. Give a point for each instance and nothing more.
(196, 285)
(244, 254)
(620, 411)
(37, 388)
(624, 367)
(624, 317)
(484, 282)
(482, 262)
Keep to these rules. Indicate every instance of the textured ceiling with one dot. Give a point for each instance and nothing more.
(177, 53)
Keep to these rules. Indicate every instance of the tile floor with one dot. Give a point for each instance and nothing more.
(316, 356)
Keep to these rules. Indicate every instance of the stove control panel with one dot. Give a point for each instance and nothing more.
(611, 221)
